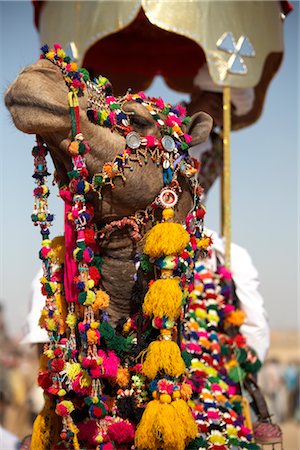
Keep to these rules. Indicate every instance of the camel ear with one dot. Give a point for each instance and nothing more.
(200, 127)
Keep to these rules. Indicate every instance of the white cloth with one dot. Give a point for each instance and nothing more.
(245, 276)
(34, 334)
(8, 441)
(242, 99)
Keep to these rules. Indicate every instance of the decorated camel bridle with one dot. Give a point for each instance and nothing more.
(97, 378)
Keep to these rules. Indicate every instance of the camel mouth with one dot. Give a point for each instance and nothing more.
(11, 102)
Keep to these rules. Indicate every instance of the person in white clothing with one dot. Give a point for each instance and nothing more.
(245, 277)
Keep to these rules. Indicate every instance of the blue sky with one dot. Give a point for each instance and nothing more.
(264, 180)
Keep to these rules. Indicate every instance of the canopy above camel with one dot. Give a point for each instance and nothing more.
(131, 42)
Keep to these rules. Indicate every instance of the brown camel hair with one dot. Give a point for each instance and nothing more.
(37, 101)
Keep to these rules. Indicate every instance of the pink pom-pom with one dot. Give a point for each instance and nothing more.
(188, 138)
(76, 83)
(61, 410)
(110, 363)
(76, 386)
(160, 103)
(182, 110)
(121, 432)
(194, 348)
(215, 387)
(88, 432)
(151, 140)
(110, 99)
(81, 327)
(142, 95)
(45, 251)
(225, 273)
(87, 255)
(213, 414)
(86, 362)
(56, 47)
(157, 322)
(112, 118)
(228, 309)
(96, 372)
(231, 390)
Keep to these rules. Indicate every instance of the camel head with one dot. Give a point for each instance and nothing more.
(38, 103)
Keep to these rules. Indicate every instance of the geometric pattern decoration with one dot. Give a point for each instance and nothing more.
(236, 63)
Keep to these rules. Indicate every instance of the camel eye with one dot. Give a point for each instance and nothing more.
(139, 121)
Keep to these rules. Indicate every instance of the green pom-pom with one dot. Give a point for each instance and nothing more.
(85, 73)
(184, 146)
(67, 59)
(186, 120)
(236, 374)
(82, 297)
(113, 341)
(82, 148)
(98, 180)
(78, 254)
(187, 358)
(145, 263)
(98, 262)
(114, 106)
(199, 442)
(241, 355)
(73, 174)
(166, 111)
(224, 350)
(34, 218)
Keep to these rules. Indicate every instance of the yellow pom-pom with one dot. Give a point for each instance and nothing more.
(73, 370)
(166, 238)
(71, 320)
(85, 380)
(163, 356)
(186, 391)
(236, 318)
(101, 301)
(92, 337)
(165, 398)
(74, 148)
(165, 426)
(90, 298)
(168, 214)
(73, 67)
(186, 419)
(176, 395)
(91, 284)
(163, 298)
(61, 393)
(58, 249)
(50, 325)
(61, 53)
(50, 55)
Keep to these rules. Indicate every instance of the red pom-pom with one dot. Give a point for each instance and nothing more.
(57, 351)
(57, 365)
(121, 432)
(89, 237)
(200, 213)
(44, 380)
(94, 274)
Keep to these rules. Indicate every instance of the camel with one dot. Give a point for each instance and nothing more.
(37, 102)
